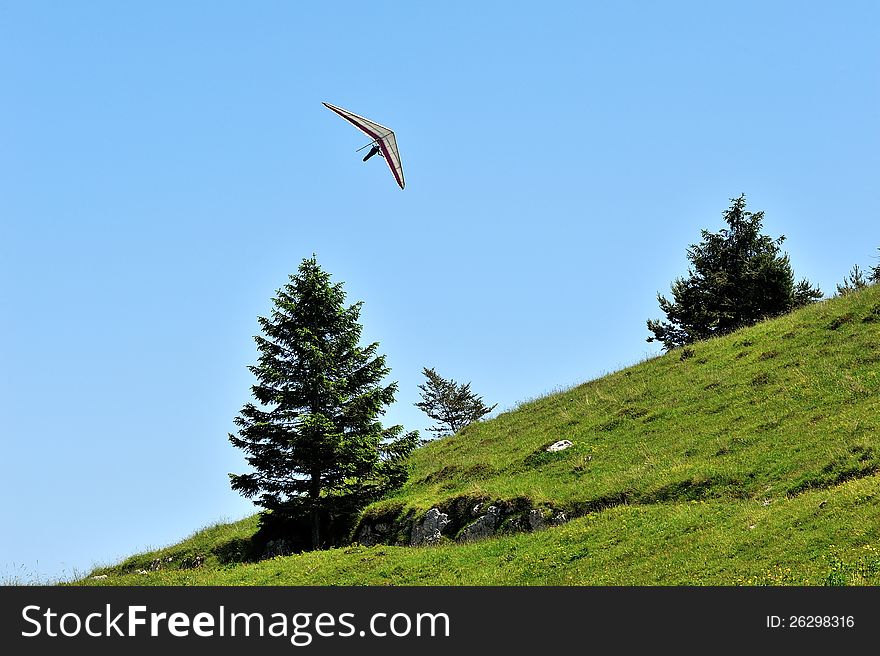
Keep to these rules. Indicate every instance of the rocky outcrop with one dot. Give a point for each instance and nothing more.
(430, 529)
(372, 534)
(463, 519)
(535, 520)
(483, 527)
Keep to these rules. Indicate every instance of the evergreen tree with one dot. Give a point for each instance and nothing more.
(856, 279)
(737, 277)
(314, 438)
(853, 282)
(454, 406)
(874, 275)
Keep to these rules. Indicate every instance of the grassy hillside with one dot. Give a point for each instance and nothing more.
(750, 458)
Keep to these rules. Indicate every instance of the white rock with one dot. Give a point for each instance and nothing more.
(561, 445)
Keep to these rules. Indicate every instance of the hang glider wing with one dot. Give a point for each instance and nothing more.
(383, 138)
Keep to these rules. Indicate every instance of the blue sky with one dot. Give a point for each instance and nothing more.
(164, 166)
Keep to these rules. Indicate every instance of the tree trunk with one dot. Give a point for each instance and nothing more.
(316, 527)
(314, 495)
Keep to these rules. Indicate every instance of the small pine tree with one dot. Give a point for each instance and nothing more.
(314, 439)
(737, 277)
(454, 406)
(853, 282)
(874, 276)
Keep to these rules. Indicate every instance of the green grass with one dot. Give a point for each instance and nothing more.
(746, 459)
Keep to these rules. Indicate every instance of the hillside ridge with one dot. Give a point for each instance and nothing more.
(783, 414)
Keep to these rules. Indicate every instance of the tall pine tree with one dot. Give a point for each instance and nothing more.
(737, 277)
(314, 438)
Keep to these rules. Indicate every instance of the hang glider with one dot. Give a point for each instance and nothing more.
(384, 142)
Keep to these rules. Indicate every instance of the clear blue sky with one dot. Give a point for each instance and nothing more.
(165, 165)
